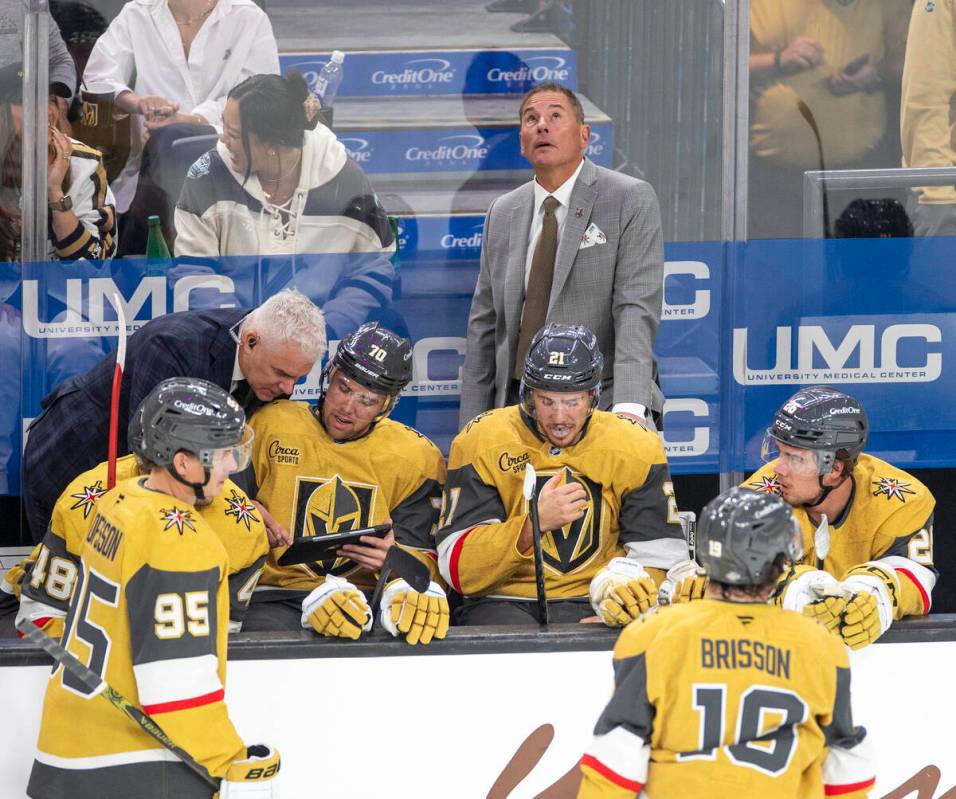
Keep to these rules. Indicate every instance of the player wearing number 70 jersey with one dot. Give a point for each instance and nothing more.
(731, 697)
(149, 614)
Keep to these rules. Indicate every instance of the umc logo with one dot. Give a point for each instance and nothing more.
(95, 294)
(675, 421)
(824, 357)
(699, 307)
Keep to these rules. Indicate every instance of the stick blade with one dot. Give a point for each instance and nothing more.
(409, 568)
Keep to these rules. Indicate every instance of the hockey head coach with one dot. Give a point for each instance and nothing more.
(256, 355)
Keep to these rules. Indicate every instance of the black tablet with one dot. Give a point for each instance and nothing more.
(323, 547)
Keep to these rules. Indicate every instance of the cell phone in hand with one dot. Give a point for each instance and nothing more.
(856, 64)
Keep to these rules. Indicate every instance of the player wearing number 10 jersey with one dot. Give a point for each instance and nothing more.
(731, 697)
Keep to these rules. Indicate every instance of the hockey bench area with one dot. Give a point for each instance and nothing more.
(490, 712)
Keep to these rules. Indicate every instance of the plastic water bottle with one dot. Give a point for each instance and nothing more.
(329, 80)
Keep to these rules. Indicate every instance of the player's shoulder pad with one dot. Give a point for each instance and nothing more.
(641, 633)
(279, 414)
(764, 480)
(885, 481)
(486, 430)
(414, 447)
(611, 432)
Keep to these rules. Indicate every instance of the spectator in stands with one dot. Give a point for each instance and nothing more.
(62, 74)
(867, 526)
(608, 518)
(256, 355)
(579, 244)
(821, 75)
(82, 219)
(927, 119)
(171, 63)
(272, 187)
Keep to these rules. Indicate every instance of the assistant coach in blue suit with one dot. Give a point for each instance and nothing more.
(257, 355)
(608, 270)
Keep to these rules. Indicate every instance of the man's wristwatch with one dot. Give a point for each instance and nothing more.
(65, 203)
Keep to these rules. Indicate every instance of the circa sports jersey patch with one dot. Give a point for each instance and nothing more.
(768, 484)
(513, 463)
(86, 498)
(890, 487)
(178, 518)
(241, 508)
(281, 454)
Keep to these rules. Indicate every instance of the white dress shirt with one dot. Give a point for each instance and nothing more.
(563, 195)
(142, 52)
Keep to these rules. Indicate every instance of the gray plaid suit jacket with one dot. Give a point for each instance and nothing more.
(615, 289)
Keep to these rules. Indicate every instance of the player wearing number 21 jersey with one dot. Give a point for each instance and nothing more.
(731, 697)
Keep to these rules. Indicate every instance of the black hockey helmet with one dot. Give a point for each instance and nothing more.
(742, 533)
(819, 418)
(376, 358)
(192, 415)
(563, 358)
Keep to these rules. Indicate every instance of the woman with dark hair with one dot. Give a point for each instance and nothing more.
(274, 187)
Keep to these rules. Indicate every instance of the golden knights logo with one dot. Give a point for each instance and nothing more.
(240, 507)
(86, 498)
(768, 484)
(178, 518)
(890, 487)
(569, 548)
(329, 505)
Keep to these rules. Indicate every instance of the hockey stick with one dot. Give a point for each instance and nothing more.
(99, 686)
(115, 397)
(530, 479)
(406, 566)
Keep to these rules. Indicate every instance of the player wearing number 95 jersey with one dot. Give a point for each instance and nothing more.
(149, 614)
(731, 697)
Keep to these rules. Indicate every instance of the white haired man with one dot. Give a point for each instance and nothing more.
(256, 355)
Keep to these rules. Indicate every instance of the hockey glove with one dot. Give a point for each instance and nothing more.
(684, 582)
(252, 778)
(874, 590)
(621, 592)
(336, 609)
(827, 611)
(419, 617)
(802, 585)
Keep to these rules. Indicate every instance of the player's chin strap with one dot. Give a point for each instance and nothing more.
(196, 487)
(824, 492)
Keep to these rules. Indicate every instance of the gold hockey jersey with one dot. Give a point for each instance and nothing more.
(727, 700)
(149, 614)
(315, 486)
(630, 498)
(889, 519)
(45, 579)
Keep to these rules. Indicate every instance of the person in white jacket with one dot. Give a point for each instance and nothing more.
(272, 188)
(172, 62)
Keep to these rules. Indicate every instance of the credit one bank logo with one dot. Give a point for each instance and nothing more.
(95, 295)
(450, 150)
(533, 70)
(358, 149)
(463, 241)
(851, 357)
(419, 72)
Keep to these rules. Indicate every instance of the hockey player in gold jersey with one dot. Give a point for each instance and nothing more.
(344, 465)
(731, 697)
(148, 614)
(608, 517)
(867, 526)
(44, 580)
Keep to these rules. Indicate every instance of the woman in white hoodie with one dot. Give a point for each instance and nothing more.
(272, 188)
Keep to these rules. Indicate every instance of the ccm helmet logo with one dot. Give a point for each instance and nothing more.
(564, 378)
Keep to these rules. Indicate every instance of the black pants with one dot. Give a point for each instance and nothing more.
(521, 611)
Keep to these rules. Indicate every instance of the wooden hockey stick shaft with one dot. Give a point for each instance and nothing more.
(98, 685)
(113, 449)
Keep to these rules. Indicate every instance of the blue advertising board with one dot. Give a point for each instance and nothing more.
(870, 316)
(388, 73)
(451, 149)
